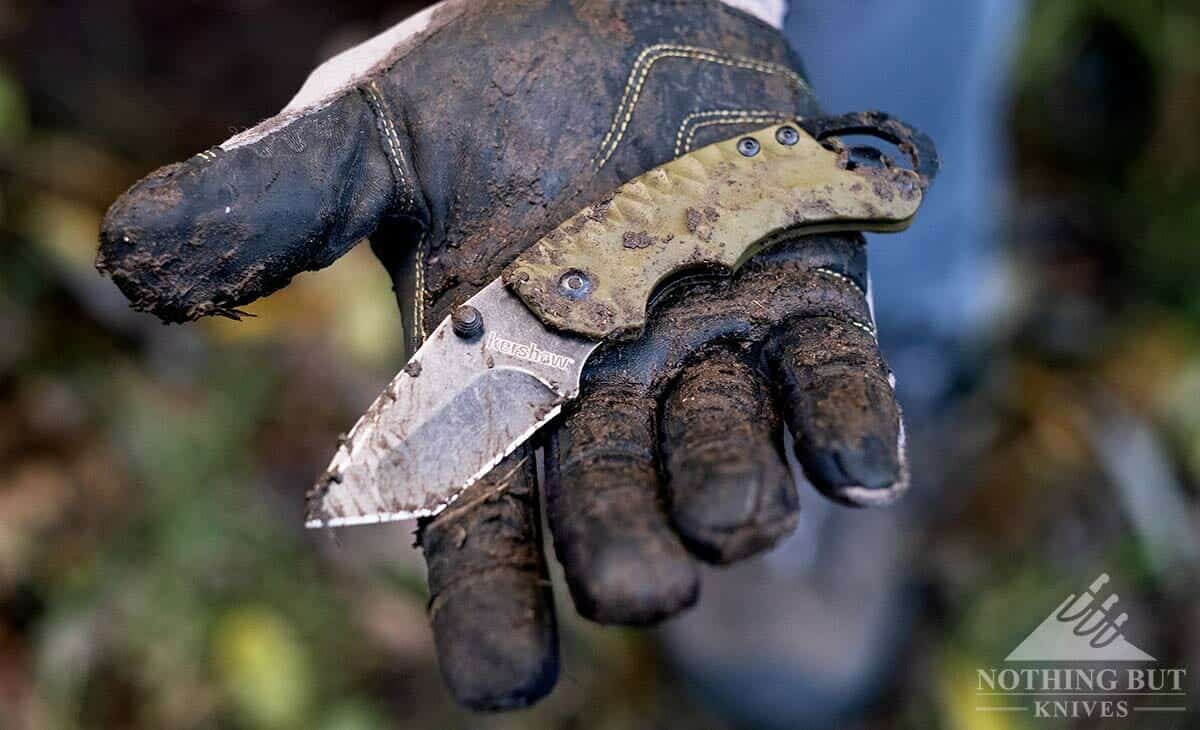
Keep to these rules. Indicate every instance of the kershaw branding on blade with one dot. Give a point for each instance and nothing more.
(529, 352)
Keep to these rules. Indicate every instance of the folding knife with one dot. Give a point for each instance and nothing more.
(503, 363)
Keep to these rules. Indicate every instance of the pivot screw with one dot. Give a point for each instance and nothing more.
(748, 146)
(466, 321)
(787, 136)
(575, 284)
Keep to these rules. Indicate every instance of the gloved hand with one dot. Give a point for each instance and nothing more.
(456, 140)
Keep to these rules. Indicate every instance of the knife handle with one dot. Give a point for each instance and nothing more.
(594, 275)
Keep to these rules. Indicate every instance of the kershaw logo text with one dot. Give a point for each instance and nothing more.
(528, 352)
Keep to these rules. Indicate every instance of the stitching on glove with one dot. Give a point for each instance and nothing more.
(641, 71)
(839, 276)
(419, 332)
(722, 116)
(746, 120)
(864, 327)
(395, 152)
(835, 274)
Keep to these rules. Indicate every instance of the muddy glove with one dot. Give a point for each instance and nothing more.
(456, 140)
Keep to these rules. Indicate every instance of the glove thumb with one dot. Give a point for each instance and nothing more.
(237, 222)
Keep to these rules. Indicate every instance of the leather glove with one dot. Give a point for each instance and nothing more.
(456, 140)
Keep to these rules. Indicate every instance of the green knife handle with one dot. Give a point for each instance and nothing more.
(594, 275)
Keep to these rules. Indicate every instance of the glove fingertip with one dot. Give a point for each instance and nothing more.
(704, 504)
(508, 662)
(867, 473)
(638, 584)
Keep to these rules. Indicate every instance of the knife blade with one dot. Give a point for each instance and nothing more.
(456, 410)
(502, 366)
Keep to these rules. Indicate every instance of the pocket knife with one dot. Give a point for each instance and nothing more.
(503, 363)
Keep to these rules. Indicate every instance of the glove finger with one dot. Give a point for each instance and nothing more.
(839, 403)
(490, 602)
(237, 222)
(731, 493)
(623, 562)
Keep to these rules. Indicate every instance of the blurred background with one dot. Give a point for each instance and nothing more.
(1045, 325)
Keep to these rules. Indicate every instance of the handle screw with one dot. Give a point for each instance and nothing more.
(575, 284)
(466, 321)
(748, 146)
(787, 136)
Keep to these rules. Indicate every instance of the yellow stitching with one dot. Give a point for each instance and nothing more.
(377, 106)
(419, 298)
(699, 55)
(396, 157)
(745, 120)
(715, 113)
(390, 145)
(695, 54)
(709, 114)
(824, 271)
(759, 119)
(863, 326)
(624, 96)
(393, 140)
(641, 70)
(396, 152)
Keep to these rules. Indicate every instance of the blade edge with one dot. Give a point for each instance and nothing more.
(379, 518)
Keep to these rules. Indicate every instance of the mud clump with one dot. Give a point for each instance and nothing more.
(641, 239)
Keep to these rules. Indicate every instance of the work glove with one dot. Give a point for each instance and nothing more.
(454, 141)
